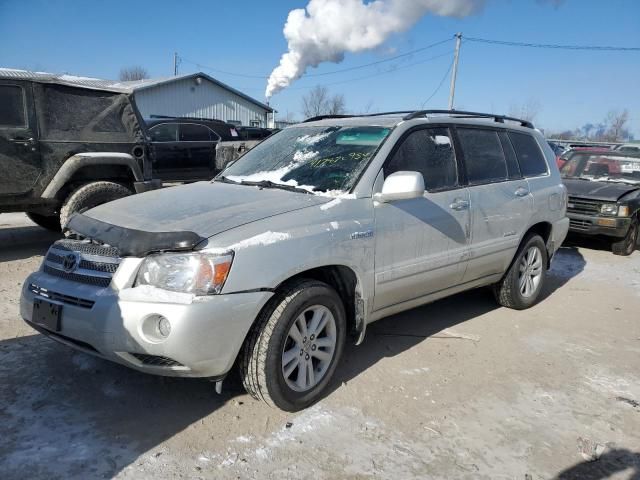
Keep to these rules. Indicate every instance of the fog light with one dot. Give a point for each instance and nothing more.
(606, 222)
(164, 327)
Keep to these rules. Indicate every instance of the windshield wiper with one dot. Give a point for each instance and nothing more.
(224, 179)
(270, 184)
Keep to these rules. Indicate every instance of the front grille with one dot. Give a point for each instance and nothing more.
(93, 264)
(60, 297)
(156, 361)
(582, 225)
(84, 246)
(583, 207)
(76, 277)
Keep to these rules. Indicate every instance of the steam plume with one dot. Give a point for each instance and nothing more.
(327, 29)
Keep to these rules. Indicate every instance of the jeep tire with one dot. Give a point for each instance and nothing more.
(90, 195)
(293, 349)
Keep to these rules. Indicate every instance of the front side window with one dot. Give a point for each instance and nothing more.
(530, 157)
(190, 132)
(318, 159)
(12, 111)
(165, 132)
(430, 152)
(483, 156)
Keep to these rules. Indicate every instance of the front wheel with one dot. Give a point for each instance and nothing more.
(91, 195)
(627, 245)
(294, 348)
(523, 282)
(50, 222)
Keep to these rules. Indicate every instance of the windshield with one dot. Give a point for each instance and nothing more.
(317, 159)
(602, 168)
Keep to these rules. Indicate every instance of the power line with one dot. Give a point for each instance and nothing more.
(553, 46)
(444, 77)
(333, 72)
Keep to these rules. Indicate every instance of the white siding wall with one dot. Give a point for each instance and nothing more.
(185, 98)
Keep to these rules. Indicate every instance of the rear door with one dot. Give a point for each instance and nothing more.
(166, 150)
(19, 148)
(422, 243)
(199, 146)
(501, 203)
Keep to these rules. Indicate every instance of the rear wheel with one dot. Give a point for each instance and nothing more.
(292, 352)
(50, 222)
(628, 244)
(91, 195)
(523, 282)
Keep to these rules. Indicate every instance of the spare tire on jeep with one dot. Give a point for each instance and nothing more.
(91, 195)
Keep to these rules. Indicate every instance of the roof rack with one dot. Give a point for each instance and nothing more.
(465, 114)
(186, 118)
(411, 114)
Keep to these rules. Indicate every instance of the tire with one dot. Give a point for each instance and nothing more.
(263, 359)
(50, 222)
(627, 245)
(509, 292)
(90, 195)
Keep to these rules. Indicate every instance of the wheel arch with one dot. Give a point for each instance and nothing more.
(544, 229)
(346, 283)
(108, 166)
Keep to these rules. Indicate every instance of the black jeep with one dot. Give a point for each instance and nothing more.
(68, 144)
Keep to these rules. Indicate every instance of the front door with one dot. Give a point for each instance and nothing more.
(19, 148)
(422, 243)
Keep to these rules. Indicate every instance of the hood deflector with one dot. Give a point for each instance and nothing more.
(131, 242)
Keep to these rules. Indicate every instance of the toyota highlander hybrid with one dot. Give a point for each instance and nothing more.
(320, 230)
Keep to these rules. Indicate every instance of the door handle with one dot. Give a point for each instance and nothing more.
(521, 192)
(22, 140)
(459, 204)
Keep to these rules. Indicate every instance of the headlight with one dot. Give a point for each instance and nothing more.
(609, 209)
(197, 273)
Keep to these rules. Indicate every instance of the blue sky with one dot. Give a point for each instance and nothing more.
(571, 88)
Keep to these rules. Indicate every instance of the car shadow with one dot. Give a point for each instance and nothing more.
(611, 462)
(19, 243)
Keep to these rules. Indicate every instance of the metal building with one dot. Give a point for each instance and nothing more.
(199, 95)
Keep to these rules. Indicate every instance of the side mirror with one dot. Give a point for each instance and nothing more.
(401, 186)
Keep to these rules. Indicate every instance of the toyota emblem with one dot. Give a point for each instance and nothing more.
(70, 262)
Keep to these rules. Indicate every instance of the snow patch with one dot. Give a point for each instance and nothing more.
(334, 225)
(266, 238)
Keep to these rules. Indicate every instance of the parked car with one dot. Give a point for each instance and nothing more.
(301, 243)
(255, 133)
(628, 148)
(604, 196)
(67, 144)
(184, 149)
(562, 159)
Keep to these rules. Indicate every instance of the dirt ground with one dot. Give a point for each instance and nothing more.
(456, 389)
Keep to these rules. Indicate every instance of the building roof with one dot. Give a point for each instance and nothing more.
(117, 86)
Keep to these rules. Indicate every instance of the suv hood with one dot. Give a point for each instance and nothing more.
(205, 208)
(607, 191)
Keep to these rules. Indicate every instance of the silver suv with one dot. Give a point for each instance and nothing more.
(320, 230)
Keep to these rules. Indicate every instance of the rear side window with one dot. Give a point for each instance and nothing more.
(430, 152)
(512, 162)
(190, 132)
(12, 112)
(165, 132)
(483, 156)
(530, 157)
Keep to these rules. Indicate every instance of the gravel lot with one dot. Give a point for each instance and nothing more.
(456, 389)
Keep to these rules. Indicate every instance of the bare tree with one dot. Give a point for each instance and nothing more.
(527, 111)
(319, 102)
(133, 73)
(617, 122)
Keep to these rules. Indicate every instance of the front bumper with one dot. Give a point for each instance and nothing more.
(598, 225)
(206, 332)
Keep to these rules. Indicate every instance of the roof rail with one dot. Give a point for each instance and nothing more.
(186, 118)
(324, 117)
(465, 114)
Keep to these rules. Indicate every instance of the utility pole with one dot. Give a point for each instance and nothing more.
(454, 73)
(175, 64)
